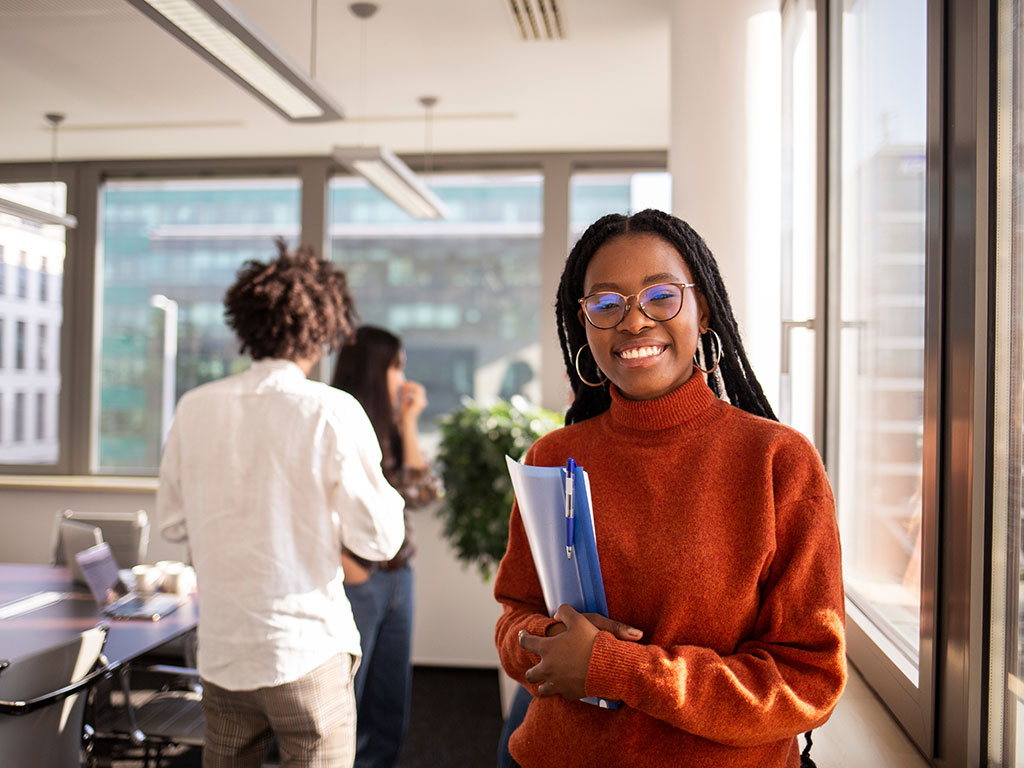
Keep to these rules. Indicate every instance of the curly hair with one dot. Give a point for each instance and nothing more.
(291, 307)
(740, 384)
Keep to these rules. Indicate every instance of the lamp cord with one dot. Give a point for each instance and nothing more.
(428, 144)
(53, 169)
(362, 82)
(312, 42)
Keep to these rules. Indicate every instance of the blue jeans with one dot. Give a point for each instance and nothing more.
(382, 607)
(516, 713)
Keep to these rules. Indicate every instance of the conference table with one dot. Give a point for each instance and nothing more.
(75, 611)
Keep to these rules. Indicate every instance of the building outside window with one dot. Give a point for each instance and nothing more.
(22, 279)
(19, 417)
(41, 342)
(463, 293)
(19, 345)
(184, 240)
(30, 321)
(40, 416)
(44, 279)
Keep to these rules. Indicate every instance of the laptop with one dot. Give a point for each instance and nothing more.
(112, 594)
(76, 537)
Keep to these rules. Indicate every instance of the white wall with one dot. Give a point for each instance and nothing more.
(725, 156)
(455, 611)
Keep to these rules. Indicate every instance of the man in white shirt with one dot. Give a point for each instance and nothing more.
(267, 475)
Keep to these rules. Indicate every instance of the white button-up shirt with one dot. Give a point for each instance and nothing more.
(267, 474)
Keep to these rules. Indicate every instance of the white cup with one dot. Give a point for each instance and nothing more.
(147, 578)
(179, 578)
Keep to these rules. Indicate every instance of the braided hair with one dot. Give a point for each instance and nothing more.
(291, 307)
(734, 372)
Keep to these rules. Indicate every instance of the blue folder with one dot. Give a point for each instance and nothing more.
(573, 579)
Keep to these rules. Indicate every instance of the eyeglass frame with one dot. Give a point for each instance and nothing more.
(628, 305)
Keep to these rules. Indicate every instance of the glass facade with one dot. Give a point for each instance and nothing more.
(183, 240)
(462, 294)
(31, 269)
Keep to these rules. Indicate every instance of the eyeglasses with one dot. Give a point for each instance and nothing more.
(661, 302)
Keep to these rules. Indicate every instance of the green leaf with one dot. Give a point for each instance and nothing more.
(478, 492)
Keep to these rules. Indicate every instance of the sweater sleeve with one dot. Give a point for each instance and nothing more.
(518, 589)
(785, 679)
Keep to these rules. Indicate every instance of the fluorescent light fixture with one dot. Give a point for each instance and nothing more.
(390, 175)
(36, 215)
(218, 32)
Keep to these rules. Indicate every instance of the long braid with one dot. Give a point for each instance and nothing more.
(572, 335)
(735, 374)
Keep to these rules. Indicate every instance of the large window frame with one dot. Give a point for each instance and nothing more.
(876, 656)
(79, 338)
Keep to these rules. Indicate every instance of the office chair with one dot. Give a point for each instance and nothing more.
(42, 700)
(127, 533)
(143, 721)
(74, 537)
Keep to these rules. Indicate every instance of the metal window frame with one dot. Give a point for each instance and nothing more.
(79, 353)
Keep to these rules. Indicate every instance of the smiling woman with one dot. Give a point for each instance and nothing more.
(715, 528)
(648, 350)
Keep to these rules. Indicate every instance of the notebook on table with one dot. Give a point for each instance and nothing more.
(113, 595)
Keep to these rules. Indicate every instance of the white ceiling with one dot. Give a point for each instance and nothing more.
(131, 90)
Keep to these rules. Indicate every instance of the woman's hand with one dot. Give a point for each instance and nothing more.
(412, 399)
(565, 652)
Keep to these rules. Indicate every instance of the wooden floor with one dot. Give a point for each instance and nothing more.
(862, 734)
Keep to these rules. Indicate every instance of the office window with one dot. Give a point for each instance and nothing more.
(19, 417)
(463, 294)
(19, 345)
(592, 194)
(882, 305)
(799, 393)
(30, 319)
(41, 342)
(173, 244)
(40, 416)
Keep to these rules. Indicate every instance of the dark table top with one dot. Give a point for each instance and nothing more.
(62, 620)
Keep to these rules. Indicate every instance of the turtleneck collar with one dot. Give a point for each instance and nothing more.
(689, 404)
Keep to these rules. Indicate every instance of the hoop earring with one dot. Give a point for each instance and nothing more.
(589, 383)
(718, 357)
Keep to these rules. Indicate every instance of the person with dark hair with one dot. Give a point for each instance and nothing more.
(715, 527)
(372, 369)
(268, 475)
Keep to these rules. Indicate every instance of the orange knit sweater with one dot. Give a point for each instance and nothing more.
(717, 537)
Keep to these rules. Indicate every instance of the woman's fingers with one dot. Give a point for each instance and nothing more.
(619, 629)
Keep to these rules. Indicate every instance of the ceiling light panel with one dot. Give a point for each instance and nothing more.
(393, 178)
(219, 32)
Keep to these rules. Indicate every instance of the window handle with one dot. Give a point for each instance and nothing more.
(787, 327)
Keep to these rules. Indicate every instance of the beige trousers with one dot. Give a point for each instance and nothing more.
(314, 719)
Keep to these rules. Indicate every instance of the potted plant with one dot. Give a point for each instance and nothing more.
(478, 491)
